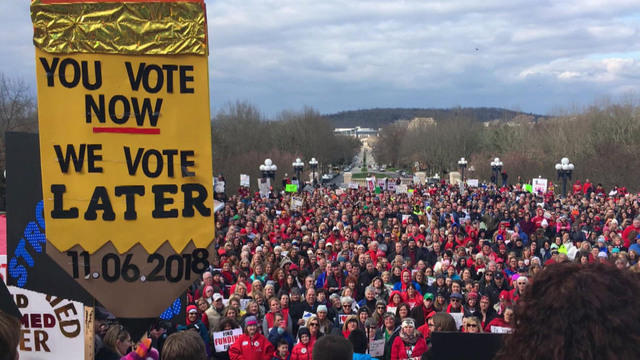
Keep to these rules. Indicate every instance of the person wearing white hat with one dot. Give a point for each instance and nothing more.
(409, 344)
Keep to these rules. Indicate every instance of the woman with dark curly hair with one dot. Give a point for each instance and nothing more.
(573, 311)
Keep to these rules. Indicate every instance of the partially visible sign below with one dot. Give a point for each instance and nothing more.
(376, 348)
(52, 328)
(501, 330)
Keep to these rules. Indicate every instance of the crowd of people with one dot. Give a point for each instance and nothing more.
(393, 267)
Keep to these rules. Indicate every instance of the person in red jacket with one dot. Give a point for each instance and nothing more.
(251, 345)
(282, 351)
(411, 296)
(502, 324)
(303, 349)
(626, 233)
(587, 186)
(409, 343)
(577, 188)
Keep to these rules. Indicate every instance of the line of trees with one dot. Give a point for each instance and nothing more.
(243, 138)
(603, 141)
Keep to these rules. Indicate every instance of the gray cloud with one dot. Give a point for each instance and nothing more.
(335, 55)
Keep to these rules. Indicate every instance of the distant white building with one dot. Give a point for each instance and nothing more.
(357, 132)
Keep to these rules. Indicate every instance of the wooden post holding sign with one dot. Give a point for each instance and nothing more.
(125, 141)
(89, 332)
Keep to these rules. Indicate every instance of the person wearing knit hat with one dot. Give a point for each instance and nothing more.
(304, 348)
(250, 320)
(251, 345)
(194, 321)
(603, 257)
(372, 330)
(471, 308)
(409, 343)
(303, 331)
(326, 323)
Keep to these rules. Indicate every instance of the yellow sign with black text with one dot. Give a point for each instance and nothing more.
(125, 150)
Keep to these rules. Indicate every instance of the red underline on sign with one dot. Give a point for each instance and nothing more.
(126, 130)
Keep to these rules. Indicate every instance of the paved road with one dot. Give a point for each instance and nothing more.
(357, 168)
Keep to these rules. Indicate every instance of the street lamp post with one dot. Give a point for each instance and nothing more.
(314, 165)
(268, 170)
(298, 166)
(564, 169)
(462, 164)
(496, 167)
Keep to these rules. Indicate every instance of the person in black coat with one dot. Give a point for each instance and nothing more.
(419, 313)
(486, 312)
(366, 278)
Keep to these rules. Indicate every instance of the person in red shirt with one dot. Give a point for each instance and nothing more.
(587, 186)
(282, 351)
(501, 324)
(577, 188)
(251, 345)
(537, 220)
(626, 233)
(303, 349)
(411, 296)
(409, 344)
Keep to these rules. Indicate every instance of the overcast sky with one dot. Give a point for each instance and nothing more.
(533, 56)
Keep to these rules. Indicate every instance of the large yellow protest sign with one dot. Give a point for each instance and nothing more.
(125, 143)
(126, 149)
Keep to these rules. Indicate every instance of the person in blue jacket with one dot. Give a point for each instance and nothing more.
(279, 332)
(194, 322)
(405, 278)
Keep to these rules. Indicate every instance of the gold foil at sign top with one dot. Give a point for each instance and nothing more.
(133, 28)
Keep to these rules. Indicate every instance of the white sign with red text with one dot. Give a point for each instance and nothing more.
(224, 339)
(52, 327)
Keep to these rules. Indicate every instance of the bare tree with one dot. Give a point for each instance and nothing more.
(17, 110)
(602, 141)
(243, 138)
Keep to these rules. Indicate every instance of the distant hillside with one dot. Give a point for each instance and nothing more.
(376, 118)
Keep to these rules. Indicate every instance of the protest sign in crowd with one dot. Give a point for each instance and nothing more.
(390, 268)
